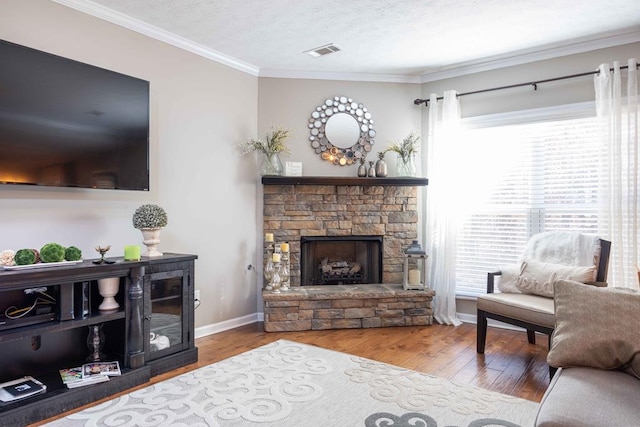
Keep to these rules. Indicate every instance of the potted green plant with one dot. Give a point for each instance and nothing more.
(150, 219)
(406, 151)
(271, 147)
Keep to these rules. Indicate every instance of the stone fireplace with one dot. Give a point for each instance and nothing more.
(309, 211)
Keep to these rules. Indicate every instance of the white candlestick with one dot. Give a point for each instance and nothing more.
(414, 277)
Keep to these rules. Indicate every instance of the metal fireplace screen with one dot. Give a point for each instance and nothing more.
(340, 260)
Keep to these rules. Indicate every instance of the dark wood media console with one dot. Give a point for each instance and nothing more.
(150, 333)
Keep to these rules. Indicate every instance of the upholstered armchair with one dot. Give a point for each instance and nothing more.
(525, 291)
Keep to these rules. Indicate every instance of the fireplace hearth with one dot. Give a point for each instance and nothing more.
(340, 260)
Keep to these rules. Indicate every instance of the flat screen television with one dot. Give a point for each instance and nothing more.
(68, 124)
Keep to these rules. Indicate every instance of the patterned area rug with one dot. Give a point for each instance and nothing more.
(291, 384)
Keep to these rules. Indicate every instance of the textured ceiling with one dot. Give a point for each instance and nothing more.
(400, 37)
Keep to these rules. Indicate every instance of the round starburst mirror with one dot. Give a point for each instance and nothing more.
(341, 131)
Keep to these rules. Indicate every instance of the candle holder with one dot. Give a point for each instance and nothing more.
(268, 267)
(102, 250)
(95, 342)
(275, 280)
(284, 271)
(411, 278)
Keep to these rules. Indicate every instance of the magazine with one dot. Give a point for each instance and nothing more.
(21, 388)
(100, 368)
(72, 378)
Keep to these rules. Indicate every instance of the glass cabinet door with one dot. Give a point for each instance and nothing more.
(165, 313)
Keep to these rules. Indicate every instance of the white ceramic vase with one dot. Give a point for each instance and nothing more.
(108, 289)
(151, 239)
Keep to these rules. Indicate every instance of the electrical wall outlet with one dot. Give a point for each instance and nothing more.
(196, 294)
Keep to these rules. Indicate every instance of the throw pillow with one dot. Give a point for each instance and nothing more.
(595, 327)
(538, 278)
(508, 279)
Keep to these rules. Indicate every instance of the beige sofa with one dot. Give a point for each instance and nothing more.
(579, 397)
(596, 345)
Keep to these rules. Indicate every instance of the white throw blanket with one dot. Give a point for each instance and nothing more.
(567, 248)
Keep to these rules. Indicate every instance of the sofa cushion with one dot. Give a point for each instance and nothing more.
(595, 327)
(590, 397)
(528, 308)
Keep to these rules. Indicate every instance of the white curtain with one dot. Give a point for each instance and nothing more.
(442, 219)
(620, 166)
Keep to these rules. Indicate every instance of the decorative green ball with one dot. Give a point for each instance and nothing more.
(72, 254)
(52, 252)
(25, 257)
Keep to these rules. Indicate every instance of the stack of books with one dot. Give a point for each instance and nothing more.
(89, 373)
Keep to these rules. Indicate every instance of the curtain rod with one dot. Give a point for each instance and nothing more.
(534, 84)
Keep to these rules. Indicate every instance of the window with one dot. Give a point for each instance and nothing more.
(535, 174)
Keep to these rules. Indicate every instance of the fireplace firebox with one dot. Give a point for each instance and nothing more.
(340, 260)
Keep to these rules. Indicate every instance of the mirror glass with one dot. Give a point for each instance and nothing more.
(341, 131)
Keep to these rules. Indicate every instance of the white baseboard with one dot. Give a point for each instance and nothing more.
(214, 328)
(467, 318)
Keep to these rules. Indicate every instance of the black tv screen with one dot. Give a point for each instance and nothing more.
(68, 124)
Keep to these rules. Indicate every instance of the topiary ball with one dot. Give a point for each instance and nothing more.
(149, 216)
(72, 254)
(26, 257)
(52, 252)
(6, 257)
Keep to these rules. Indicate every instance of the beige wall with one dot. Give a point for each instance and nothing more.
(290, 102)
(200, 110)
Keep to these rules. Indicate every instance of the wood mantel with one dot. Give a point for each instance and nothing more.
(342, 180)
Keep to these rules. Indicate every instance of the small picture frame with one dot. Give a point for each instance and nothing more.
(293, 168)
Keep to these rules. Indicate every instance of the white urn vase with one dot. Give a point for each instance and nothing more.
(108, 289)
(151, 239)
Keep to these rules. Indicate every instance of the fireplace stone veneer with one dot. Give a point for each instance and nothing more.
(316, 206)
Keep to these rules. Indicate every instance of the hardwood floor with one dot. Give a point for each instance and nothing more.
(510, 365)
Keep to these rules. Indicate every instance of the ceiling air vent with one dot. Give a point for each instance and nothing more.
(322, 50)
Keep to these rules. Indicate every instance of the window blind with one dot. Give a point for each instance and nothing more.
(533, 177)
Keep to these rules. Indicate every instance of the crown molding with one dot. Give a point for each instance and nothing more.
(328, 75)
(138, 26)
(603, 41)
(606, 40)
